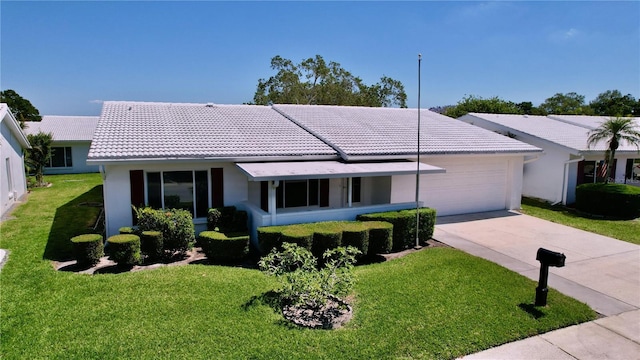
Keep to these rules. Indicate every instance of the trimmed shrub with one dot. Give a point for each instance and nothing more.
(326, 236)
(124, 249)
(213, 219)
(176, 225)
(88, 249)
(380, 237)
(356, 234)
(227, 219)
(127, 230)
(301, 235)
(611, 200)
(151, 245)
(220, 246)
(404, 225)
(269, 237)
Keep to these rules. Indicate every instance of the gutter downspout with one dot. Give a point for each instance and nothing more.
(565, 180)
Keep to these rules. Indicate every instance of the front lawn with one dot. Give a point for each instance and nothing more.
(436, 303)
(627, 230)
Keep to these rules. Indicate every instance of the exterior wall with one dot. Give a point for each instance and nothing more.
(12, 187)
(79, 152)
(470, 184)
(117, 189)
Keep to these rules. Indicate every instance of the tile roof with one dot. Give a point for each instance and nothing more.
(589, 122)
(548, 128)
(141, 130)
(64, 128)
(371, 132)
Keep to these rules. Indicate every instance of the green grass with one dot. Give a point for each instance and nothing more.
(437, 303)
(626, 230)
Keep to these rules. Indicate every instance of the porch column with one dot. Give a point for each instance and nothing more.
(273, 186)
(349, 191)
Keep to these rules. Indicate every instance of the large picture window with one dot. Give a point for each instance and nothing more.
(60, 157)
(298, 193)
(187, 190)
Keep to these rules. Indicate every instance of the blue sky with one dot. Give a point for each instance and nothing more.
(67, 57)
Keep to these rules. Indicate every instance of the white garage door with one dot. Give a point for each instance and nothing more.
(469, 185)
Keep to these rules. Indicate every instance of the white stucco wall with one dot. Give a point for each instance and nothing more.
(12, 187)
(117, 189)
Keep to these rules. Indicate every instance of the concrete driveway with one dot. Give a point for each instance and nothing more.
(599, 271)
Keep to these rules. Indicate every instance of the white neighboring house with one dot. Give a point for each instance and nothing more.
(71, 141)
(567, 161)
(298, 163)
(13, 142)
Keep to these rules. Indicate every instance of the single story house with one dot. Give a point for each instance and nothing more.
(287, 164)
(567, 160)
(71, 141)
(13, 142)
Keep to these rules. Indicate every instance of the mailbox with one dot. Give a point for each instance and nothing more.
(547, 258)
(550, 258)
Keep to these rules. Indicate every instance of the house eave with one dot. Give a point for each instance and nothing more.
(183, 160)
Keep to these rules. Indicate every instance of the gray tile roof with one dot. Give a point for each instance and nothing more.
(371, 132)
(139, 130)
(64, 128)
(547, 128)
(589, 122)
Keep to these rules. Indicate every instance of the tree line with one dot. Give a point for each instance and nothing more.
(608, 103)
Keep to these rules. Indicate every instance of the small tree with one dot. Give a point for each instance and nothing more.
(38, 156)
(614, 131)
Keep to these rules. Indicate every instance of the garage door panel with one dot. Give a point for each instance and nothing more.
(469, 185)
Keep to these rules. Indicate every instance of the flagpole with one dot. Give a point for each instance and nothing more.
(417, 246)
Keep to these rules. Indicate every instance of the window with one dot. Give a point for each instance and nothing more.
(60, 157)
(9, 177)
(298, 193)
(187, 190)
(356, 189)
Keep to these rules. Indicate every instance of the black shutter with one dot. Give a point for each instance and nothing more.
(217, 188)
(264, 195)
(324, 192)
(136, 182)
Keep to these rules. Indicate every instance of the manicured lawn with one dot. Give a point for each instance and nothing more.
(436, 303)
(627, 230)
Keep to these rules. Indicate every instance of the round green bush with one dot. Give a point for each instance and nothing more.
(325, 237)
(356, 234)
(218, 246)
(301, 235)
(88, 249)
(269, 237)
(380, 237)
(610, 200)
(124, 249)
(151, 245)
(127, 230)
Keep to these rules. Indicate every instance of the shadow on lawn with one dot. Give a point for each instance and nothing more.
(76, 217)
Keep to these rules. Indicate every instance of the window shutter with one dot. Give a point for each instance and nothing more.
(324, 192)
(580, 179)
(136, 182)
(264, 195)
(217, 188)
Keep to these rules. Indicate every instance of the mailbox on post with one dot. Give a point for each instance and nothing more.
(547, 258)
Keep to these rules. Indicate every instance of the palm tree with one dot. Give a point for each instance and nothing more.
(38, 156)
(614, 131)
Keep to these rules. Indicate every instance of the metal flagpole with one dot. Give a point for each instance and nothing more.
(418, 164)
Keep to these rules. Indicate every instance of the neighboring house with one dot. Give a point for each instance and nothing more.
(13, 142)
(567, 161)
(71, 141)
(298, 163)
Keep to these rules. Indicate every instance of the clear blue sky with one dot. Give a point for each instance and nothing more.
(67, 57)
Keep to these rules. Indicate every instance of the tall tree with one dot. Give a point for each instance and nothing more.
(472, 103)
(21, 108)
(565, 104)
(314, 81)
(614, 131)
(613, 103)
(38, 156)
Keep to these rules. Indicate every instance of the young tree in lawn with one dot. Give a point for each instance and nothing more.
(316, 82)
(614, 131)
(38, 156)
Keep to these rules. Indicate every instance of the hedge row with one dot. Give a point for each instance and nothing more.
(404, 225)
(224, 247)
(368, 237)
(611, 200)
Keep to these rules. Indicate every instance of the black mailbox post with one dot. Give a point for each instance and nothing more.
(547, 258)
